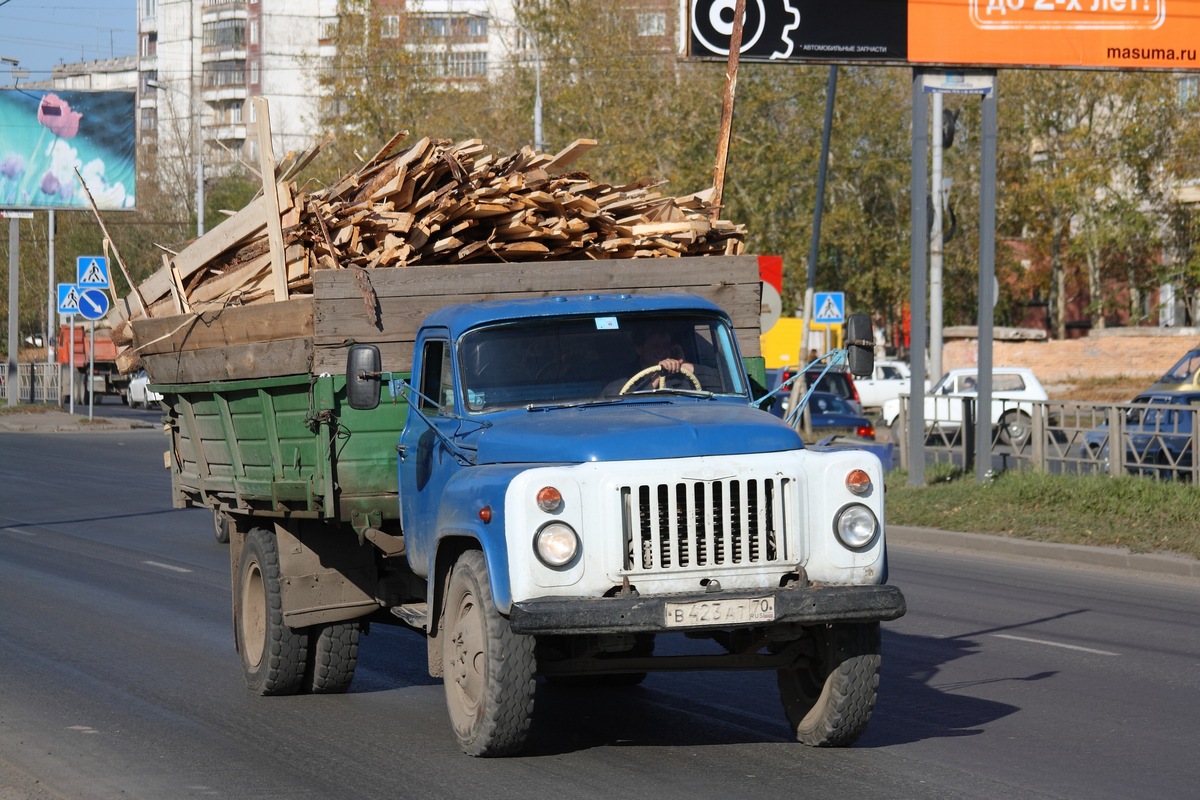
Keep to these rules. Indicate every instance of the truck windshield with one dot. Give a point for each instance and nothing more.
(584, 359)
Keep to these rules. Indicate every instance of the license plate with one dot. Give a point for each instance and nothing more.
(733, 611)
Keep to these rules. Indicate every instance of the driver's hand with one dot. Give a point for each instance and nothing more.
(675, 364)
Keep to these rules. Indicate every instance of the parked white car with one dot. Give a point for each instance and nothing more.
(1014, 390)
(887, 381)
(140, 396)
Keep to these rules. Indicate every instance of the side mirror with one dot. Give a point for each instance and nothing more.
(363, 378)
(860, 345)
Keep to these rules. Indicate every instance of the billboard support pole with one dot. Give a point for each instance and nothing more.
(14, 260)
(987, 281)
(51, 298)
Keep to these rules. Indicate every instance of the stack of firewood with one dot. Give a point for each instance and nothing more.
(438, 202)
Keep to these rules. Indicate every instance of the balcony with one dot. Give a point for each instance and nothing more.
(214, 94)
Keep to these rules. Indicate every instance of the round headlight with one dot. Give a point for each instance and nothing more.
(856, 526)
(556, 544)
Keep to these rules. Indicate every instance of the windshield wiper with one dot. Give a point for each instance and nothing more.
(703, 393)
(572, 404)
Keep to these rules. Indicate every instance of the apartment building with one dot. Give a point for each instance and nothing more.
(200, 61)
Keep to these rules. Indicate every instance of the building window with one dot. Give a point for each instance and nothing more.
(434, 27)
(235, 114)
(652, 24)
(477, 27)
(225, 34)
(149, 119)
(149, 44)
(457, 63)
(225, 73)
(149, 76)
(253, 31)
(389, 27)
(254, 74)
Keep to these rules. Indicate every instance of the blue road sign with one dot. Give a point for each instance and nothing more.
(68, 299)
(93, 303)
(830, 307)
(91, 272)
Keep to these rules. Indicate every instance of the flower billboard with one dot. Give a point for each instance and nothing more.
(45, 136)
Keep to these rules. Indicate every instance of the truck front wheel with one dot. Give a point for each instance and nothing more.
(273, 655)
(829, 698)
(489, 670)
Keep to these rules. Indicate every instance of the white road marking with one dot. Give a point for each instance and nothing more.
(165, 566)
(1056, 644)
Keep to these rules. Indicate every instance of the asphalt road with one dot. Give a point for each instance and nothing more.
(118, 678)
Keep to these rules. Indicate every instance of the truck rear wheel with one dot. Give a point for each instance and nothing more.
(489, 670)
(829, 699)
(274, 656)
(221, 526)
(332, 657)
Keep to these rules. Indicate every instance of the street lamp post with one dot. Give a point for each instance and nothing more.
(196, 123)
(539, 141)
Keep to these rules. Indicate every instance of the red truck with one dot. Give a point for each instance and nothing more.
(106, 378)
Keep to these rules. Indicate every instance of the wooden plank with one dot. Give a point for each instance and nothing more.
(224, 327)
(569, 154)
(547, 277)
(236, 362)
(266, 164)
(224, 236)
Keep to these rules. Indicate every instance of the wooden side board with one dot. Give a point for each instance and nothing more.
(312, 334)
(258, 341)
(406, 295)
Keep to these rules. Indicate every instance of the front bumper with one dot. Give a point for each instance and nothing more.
(804, 605)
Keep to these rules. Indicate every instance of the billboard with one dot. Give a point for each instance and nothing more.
(1084, 34)
(46, 135)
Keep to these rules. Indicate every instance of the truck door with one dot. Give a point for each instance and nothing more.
(426, 463)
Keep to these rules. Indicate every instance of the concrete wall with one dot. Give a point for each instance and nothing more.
(1134, 352)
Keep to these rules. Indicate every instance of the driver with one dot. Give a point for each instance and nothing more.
(656, 348)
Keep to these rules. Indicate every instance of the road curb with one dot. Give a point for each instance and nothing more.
(63, 422)
(1169, 564)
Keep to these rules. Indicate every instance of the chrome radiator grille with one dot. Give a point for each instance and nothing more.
(691, 523)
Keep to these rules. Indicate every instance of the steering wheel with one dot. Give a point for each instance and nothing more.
(629, 384)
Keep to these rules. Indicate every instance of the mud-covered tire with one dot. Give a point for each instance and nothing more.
(274, 656)
(221, 526)
(829, 699)
(332, 657)
(489, 670)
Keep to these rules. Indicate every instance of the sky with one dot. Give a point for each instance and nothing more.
(44, 33)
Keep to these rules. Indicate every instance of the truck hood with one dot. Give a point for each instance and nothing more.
(632, 430)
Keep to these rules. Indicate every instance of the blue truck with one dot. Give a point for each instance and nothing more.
(524, 479)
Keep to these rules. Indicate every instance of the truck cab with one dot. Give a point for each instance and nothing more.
(584, 473)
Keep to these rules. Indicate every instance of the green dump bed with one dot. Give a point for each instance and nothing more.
(284, 446)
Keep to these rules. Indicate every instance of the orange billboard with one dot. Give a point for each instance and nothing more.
(1104, 34)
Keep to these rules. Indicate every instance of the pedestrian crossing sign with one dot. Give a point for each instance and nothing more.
(829, 308)
(91, 272)
(68, 299)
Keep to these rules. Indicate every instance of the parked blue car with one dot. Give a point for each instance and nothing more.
(832, 415)
(1157, 433)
